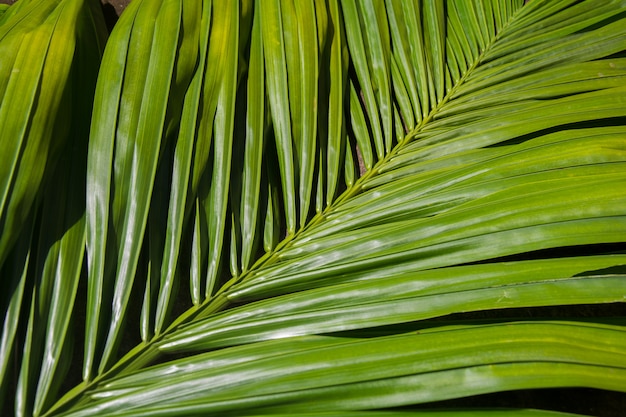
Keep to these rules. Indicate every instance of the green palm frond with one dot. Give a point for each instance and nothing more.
(293, 376)
(281, 201)
(50, 57)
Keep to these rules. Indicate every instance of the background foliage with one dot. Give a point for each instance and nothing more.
(278, 207)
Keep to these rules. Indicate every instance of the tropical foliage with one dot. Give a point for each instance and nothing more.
(266, 207)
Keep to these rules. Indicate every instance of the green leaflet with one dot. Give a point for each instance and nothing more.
(355, 37)
(59, 271)
(335, 126)
(322, 374)
(64, 42)
(216, 205)
(255, 130)
(33, 92)
(214, 139)
(16, 272)
(466, 232)
(99, 182)
(129, 167)
(166, 270)
(278, 96)
(403, 298)
(59, 263)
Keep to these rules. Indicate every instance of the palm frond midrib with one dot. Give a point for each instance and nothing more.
(371, 173)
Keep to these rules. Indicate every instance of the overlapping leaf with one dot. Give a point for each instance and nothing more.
(341, 373)
(134, 118)
(51, 54)
(33, 91)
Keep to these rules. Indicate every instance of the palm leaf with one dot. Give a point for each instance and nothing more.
(125, 159)
(326, 373)
(41, 271)
(33, 94)
(360, 168)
